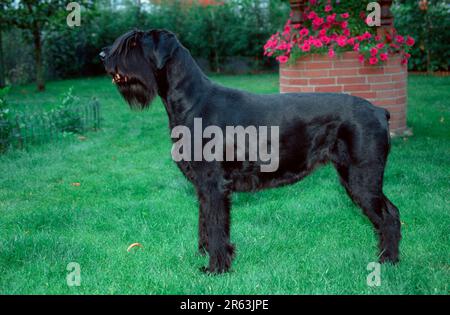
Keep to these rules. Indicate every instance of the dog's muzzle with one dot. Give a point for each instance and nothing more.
(102, 55)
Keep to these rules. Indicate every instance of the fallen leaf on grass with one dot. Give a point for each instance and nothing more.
(134, 245)
(76, 184)
(82, 138)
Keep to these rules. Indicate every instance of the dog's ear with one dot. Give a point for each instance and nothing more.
(165, 44)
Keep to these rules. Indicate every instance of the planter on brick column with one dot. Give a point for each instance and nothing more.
(384, 85)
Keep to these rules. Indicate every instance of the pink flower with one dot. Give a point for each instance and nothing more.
(373, 60)
(318, 21)
(325, 39)
(380, 45)
(317, 43)
(400, 39)
(341, 41)
(356, 47)
(306, 47)
(304, 32)
(404, 61)
(322, 32)
(344, 24)
(361, 58)
(351, 41)
(346, 32)
(328, 8)
(377, 38)
(345, 15)
(282, 59)
(331, 18)
(410, 41)
(367, 35)
(296, 26)
(312, 15)
(383, 56)
(373, 51)
(331, 53)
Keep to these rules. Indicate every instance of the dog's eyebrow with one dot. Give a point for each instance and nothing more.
(122, 44)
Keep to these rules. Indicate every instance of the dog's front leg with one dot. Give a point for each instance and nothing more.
(215, 204)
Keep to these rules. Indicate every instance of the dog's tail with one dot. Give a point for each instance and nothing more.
(388, 115)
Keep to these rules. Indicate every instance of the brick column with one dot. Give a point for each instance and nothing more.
(383, 85)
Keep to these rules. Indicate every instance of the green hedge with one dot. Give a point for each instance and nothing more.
(214, 33)
(431, 30)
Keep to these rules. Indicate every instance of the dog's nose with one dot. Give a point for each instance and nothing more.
(102, 55)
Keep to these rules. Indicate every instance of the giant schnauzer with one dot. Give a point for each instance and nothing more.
(314, 128)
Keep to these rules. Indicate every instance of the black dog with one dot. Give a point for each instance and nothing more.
(313, 129)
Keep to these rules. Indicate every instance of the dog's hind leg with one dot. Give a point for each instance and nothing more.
(363, 182)
(202, 233)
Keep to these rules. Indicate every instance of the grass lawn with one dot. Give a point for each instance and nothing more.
(306, 238)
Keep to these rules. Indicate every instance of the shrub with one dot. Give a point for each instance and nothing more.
(5, 121)
(428, 22)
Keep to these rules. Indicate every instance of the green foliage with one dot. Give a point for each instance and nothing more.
(430, 28)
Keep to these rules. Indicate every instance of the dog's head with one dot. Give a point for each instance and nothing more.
(134, 61)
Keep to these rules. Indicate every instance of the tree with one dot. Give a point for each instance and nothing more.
(2, 27)
(34, 17)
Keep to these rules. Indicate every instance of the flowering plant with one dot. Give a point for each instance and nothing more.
(326, 31)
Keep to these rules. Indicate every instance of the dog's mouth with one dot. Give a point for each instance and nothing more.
(120, 79)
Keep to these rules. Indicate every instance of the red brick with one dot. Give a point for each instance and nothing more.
(395, 109)
(356, 87)
(382, 86)
(293, 81)
(343, 72)
(387, 93)
(315, 73)
(319, 65)
(371, 70)
(385, 102)
(330, 88)
(401, 100)
(322, 81)
(291, 73)
(398, 116)
(352, 80)
(366, 95)
(400, 85)
(321, 58)
(398, 77)
(338, 64)
(393, 69)
(395, 125)
(350, 55)
(295, 89)
(379, 78)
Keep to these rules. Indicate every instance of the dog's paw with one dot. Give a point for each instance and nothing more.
(387, 257)
(220, 260)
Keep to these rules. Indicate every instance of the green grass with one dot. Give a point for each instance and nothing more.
(306, 238)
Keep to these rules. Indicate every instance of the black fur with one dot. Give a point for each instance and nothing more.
(315, 129)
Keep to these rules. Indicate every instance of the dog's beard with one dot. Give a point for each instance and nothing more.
(137, 95)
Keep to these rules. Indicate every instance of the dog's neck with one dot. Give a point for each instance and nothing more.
(181, 85)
